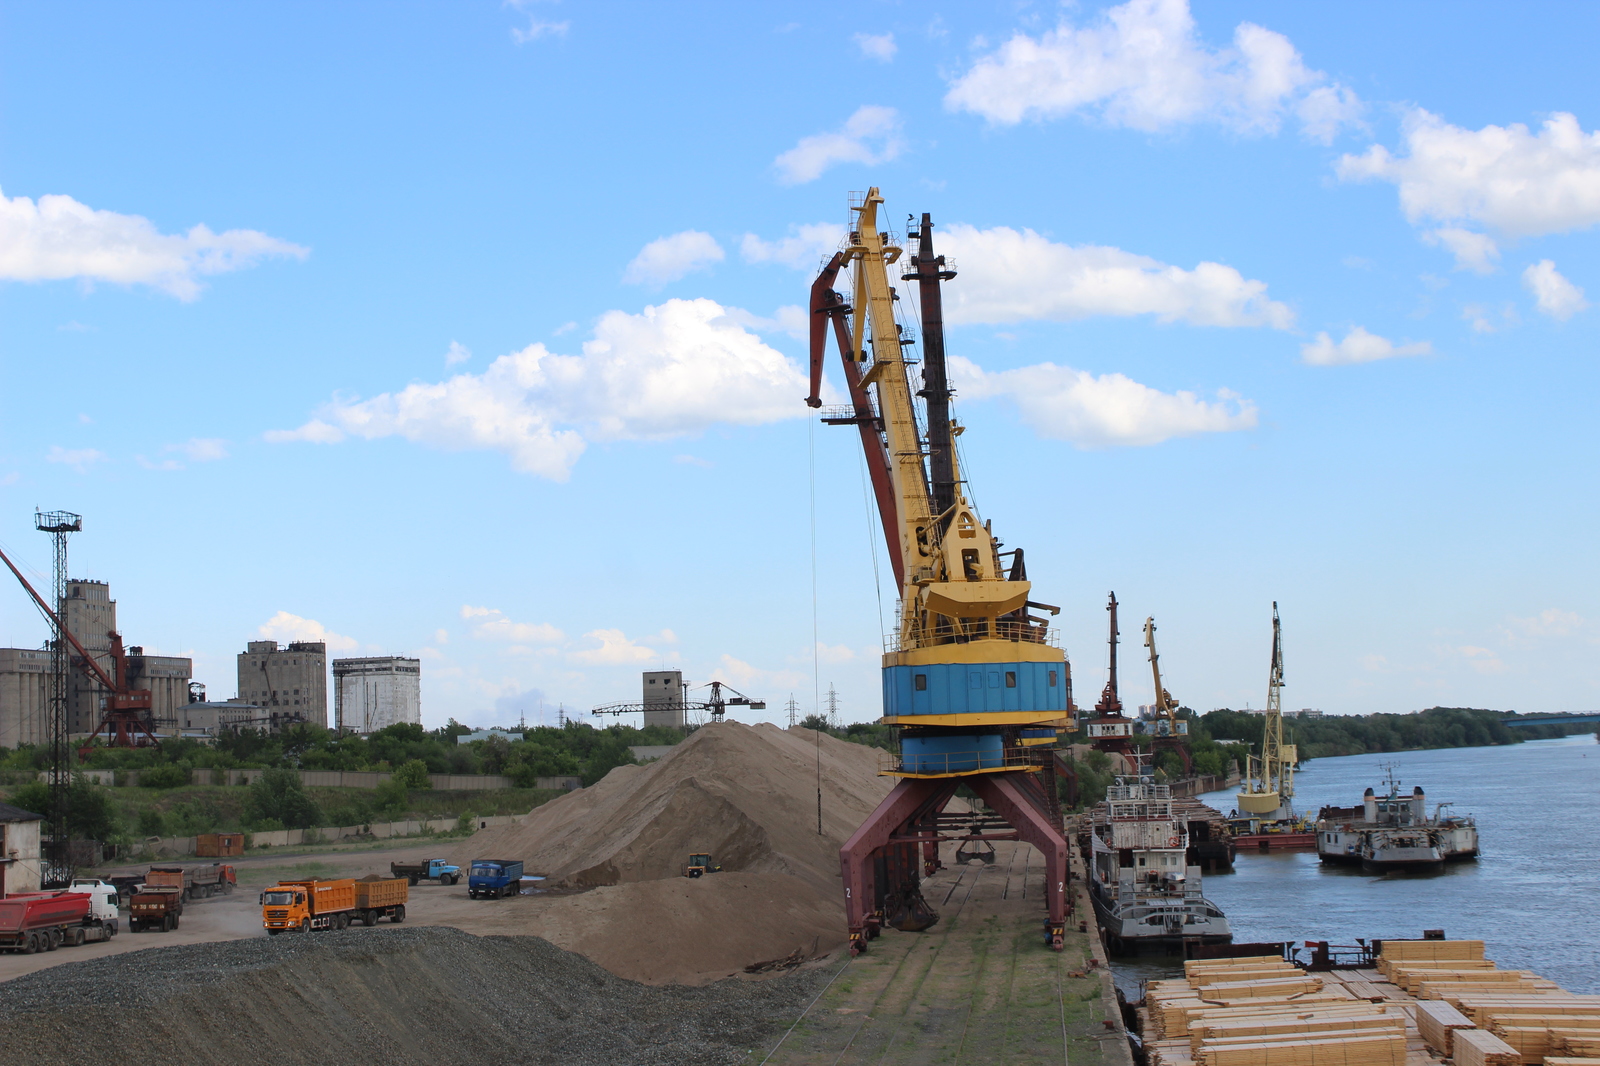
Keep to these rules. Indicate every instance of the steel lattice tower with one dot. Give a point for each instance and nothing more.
(60, 525)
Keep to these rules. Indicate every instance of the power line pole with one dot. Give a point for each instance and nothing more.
(793, 708)
(58, 872)
(833, 707)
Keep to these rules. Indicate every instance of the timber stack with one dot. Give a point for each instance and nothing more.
(1427, 1001)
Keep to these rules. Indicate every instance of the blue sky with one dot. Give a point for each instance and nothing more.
(468, 331)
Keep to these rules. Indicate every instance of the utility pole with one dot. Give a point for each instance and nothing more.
(833, 707)
(793, 708)
(60, 525)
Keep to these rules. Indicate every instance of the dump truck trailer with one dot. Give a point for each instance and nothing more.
(196, 882)
(494, 878)
(44, 921)
(304, 906)
(155, 907)
(380, 897)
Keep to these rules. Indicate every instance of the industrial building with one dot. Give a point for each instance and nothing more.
(369, 694)
(663, 698)
(294, 678)
(91, 617)
(20, 866)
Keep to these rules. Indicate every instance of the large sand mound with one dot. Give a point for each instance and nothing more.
(747, 795)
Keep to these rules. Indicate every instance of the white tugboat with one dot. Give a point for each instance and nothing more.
(1143, 892)
(1394, 832)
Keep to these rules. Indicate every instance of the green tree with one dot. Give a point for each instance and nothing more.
(278, 796)
(151, 823)
(413, 774)
(170, 776)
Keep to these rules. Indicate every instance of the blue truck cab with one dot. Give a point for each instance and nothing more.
(494, 878)
(432, 870)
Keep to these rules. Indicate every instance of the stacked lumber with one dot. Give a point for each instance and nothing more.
(1265, 1012)
(1478, 1047)
(1411, 951)
(1494, 982)
(1436, 1020)
(1535, 1043)
(1555, 1060)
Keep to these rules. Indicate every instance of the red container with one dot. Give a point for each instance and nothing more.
(41, 910)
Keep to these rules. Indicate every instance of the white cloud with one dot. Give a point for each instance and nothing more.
(286, 628)
(201, 449)
(490, 624)
(1060, 403)
(615, 649)
(879, 46)
(834, 653)
(752, 679)
(790, 318)
(1012, 276)
(60, 238)
(457, 353)
(441, 636)
(1358, 346)
(80, 459)
(670, 258)
(536, 27)
(1477, 316)
(671, 370)
(1483, 660)
(1143, 65)
(870, 136)
(315, 431)
(1474, 251)
(1501, 177)
(1556, 296)
(1551, 622)
(805, 248)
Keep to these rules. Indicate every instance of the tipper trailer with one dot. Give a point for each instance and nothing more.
(379, 897)
(303, 906)
(155, 907)
(44, 921)
(196, 882)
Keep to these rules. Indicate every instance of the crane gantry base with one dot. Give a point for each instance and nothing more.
(879, 863)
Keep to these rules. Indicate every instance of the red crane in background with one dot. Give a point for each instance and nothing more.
(126, 720)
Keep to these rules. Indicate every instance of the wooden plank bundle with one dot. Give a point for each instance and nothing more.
(1435, 1021)
(1279, 1027)
(1562, 1060)
(1226, 991)
(1478, 1047)
(1194, 966)
(1210, 977)
(1376, 1049)
(1397, 950)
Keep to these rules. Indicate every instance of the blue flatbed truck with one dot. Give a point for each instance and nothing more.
(494, 878)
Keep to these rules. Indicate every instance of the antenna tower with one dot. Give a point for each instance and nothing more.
(60, 525)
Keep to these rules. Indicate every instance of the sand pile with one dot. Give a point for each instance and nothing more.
(747, 795)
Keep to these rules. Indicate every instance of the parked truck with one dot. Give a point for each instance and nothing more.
(44, 921)
(494, 878)
(195, 882)
(303, 906)
(156, 907)
(380, 897)
(432, 870)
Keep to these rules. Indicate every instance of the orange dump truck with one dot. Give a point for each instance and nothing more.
(381, 897)
(301, 906)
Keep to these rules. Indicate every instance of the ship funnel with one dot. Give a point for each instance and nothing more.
(1419, 805)
(1369, 800)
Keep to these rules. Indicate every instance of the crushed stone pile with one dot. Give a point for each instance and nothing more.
(423, 995)
(745, 794)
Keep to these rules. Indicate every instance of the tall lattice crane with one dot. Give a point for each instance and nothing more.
(1171, 734)
(1269, 780)
(973, 682)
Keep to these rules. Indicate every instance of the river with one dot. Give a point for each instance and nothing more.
(1533, 896)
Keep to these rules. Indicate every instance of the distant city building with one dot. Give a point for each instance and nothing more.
(286, 679)
(1307, 713)
(24, 696)
(663, 698)
(212, 719)
(369, 694)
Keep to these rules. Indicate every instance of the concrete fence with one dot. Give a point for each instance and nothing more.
(182, 847)
(339, 779)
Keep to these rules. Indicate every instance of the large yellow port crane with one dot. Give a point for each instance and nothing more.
(1268, 791)
(972, 681)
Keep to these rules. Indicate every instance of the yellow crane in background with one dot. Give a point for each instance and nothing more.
(1170, 732)
(1269, 780)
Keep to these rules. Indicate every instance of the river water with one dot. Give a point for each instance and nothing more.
(1533, 896)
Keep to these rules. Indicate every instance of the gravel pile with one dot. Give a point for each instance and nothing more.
(410, 995)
